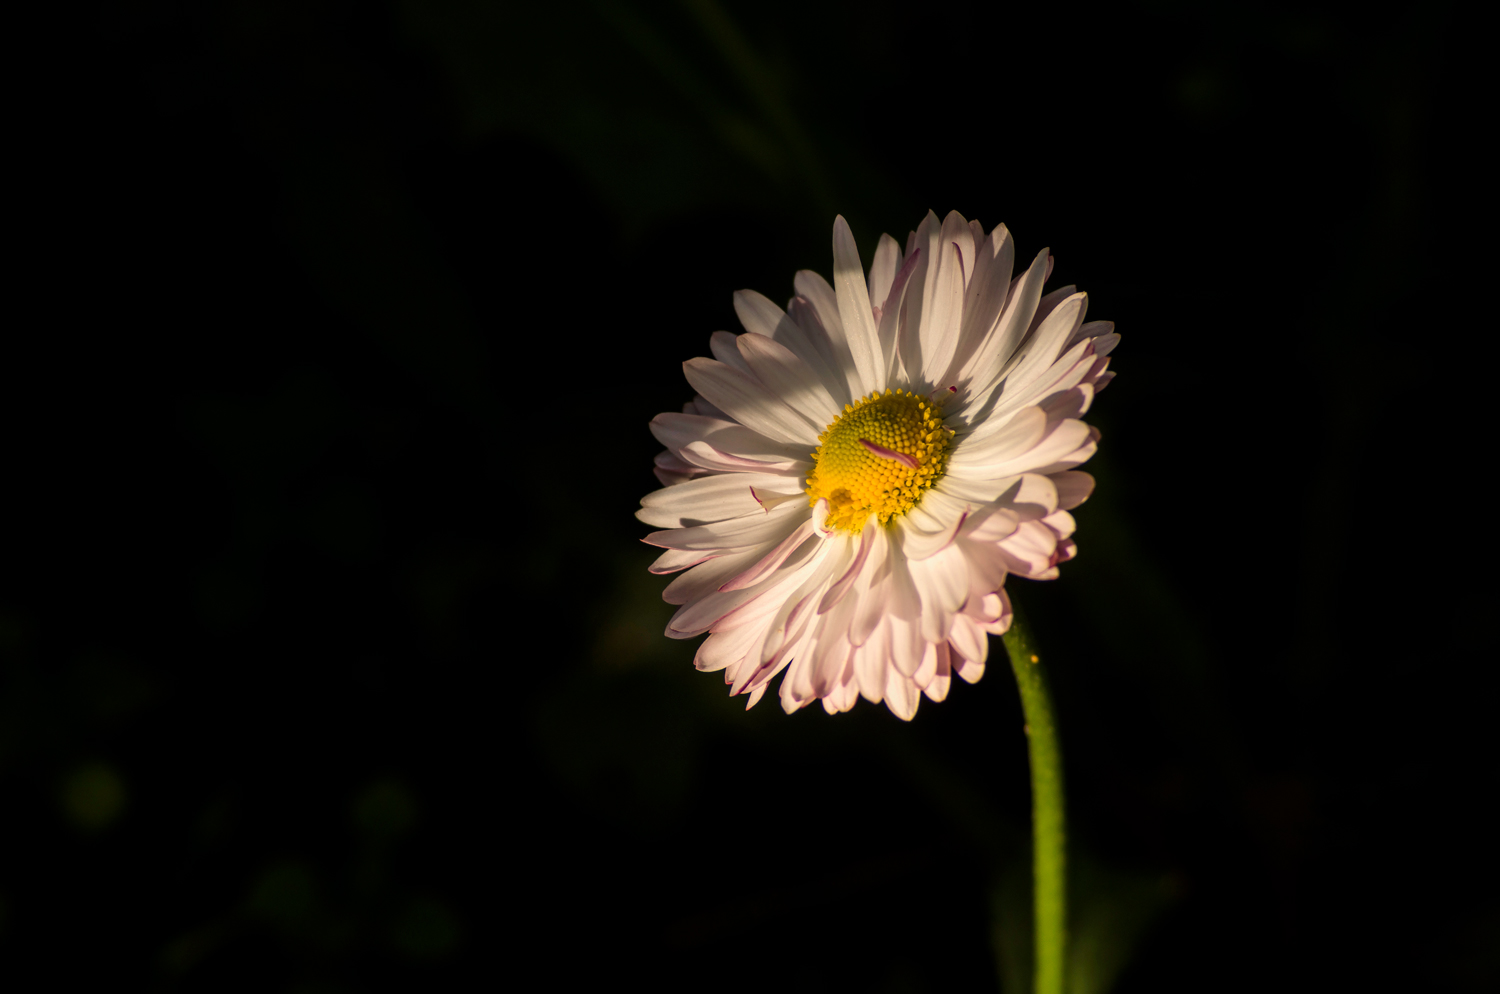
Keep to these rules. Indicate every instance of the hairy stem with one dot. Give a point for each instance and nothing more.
(1049, 830)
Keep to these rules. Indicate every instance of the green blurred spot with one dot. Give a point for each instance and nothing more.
(93, 796)
(385, 809)
(285, 895)
(427, 929)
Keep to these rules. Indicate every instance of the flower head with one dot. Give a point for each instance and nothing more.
(859, 473)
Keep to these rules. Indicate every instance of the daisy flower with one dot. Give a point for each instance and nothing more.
(859, 473)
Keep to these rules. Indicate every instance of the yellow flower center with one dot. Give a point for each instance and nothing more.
(878, 457)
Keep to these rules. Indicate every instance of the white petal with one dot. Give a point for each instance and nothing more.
(983, 371)
(707, 577)
(985, 296)
(721, 344)
(1073, 488)
(773, 559)
(707, 457)
(710, 498)
(761, 316)
(901, 695)
(823, 305)
(789, 378)
(883, 270)
(722, 648)
(745, 399)
(678, 559)
(925, 248)
(678, 430)
(936, 688)
(943, 299)
(854, 308)
(1009, 438)
(735, 533)
(942, 582)
(968, 638)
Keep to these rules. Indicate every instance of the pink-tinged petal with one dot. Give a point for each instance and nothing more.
(943, 298)
(1046, 344)
(982, 372)
(721, 344)
(843, 584)
(936, 688)
(854, 308)
(755, 696)
(942, 582)
(703, 408)
(925, 246)
(984, 297)
(987, 572)
(1002, 625)
(883, 269)
(797, 608)
(789, 378)
(1071, 369)
(772, 560)
(928, 668)
(919, 545)
(969, 639)
(672, 471)
(710, 498)
(869, 669)
(1073, 458)
(707, 457)
(678, 430)
(748, 401)
(817, 300)
(974, 454)
(995, 524)
(1062, 523)
(735, 533)
(1029, 496)
(727, 610)
(870, 588)
(992, 607)
(1063, 439)
(892, 314)
(907, 644)
(721, 649)
(707, 577)
(1073, 488)
(969, 669)
(761, 316)
(1101, 333)
(1029, 551)
(831, 650)
(678, 559)
(901, 695)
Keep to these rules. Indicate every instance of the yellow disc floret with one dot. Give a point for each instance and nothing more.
(878, 457)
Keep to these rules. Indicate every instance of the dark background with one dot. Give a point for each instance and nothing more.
(330, 660)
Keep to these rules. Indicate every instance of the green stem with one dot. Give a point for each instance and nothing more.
(1049, 834)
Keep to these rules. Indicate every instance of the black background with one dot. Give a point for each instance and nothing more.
(330, 661)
